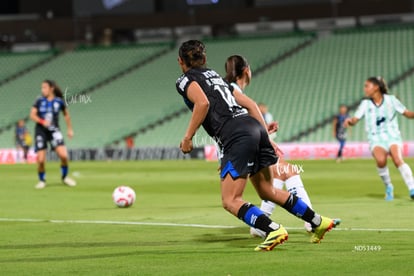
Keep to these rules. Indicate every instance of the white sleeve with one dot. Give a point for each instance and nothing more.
(399, 107)
(236, 87)
(268, 117)
(360, 112)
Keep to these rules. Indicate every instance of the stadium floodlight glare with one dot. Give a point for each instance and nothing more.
(110, 4)
(202, 2)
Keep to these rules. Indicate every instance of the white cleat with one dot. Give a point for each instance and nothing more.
(69, 181)
(257, 233)
(40, 185)
(308, 227)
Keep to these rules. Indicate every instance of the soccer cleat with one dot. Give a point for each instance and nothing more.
(69, 181)
(40, 185)
(326, 225)
(389, 193)
(257, 233)
(412, 193)
(274, 238)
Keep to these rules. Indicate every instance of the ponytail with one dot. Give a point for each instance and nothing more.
(56, 89)
(235, 66)
(380, 82)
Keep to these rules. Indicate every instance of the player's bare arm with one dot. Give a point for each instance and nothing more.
(409, 114)
(201, 105)
(68, 122)
(37, 119)
(250, 105)
(351, 122)
(334, 122)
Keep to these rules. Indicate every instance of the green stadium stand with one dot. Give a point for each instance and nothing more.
(15, 63)
(74, 71)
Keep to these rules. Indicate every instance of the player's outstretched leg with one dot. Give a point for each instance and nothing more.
(320, 225)
(294, 205)
(295, 186)
(405, 170)
(232, 192)
(407, 175)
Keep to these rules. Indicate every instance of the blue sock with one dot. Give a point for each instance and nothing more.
(42, 176)
(255, 217)
(299, 208)
(64, 170)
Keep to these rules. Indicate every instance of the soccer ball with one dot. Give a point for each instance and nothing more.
(123, 196)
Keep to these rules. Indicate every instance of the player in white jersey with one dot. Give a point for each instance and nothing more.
(380, 111)
(283, 173)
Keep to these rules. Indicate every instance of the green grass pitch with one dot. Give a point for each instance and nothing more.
(375, 238)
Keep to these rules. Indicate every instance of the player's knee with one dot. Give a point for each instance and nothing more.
(64, 160)
(381, 162)
(41, 165)
(398, 162)
(230, 205)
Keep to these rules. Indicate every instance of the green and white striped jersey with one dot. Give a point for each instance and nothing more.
(381, 122)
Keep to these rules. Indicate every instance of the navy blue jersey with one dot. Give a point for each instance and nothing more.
(339, 128)
(49, 110)
(20, 132)
(223, 106)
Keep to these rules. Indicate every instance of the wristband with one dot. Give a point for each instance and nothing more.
(42, 121)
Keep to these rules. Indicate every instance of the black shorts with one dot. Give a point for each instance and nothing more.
(43, 136)
(246, 148)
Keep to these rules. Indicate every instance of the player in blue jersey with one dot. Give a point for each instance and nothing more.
(339, 130)
(239, 76)
(21, 137)
(380, 111)
(45, 113)
(234, 121)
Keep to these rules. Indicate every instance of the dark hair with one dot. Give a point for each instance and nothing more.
(383, 88)
(56, 89)
(234, 67)
(193, 53)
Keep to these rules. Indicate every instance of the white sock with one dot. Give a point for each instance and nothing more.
(278, 184)
(384, 173)
(407, 175)
(294, 185)
(267, 206)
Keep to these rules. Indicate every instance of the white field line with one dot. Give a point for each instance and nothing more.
(186, 224)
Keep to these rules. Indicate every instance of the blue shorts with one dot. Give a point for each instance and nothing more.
(246, 148)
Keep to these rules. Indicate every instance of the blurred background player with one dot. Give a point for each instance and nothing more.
(267, 116)
(339, 130)
(238, 74)
(381, 125)
(23, 139)
(45, 113)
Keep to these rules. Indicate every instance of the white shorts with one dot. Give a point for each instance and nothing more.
(386, 143)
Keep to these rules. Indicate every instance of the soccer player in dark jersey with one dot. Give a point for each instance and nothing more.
(45, 113)
(339, 130)
(238, 74)
(235, 122)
